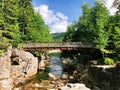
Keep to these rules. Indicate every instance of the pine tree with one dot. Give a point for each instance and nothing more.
(25, 18)
(100, 21)
(116, 4)
(84, 26)
(40, 32)
(9, 21)
(69, 35)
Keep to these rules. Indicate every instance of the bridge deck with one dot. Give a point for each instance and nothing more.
(57, 45)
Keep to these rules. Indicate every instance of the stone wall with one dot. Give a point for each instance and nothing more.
(16, 66)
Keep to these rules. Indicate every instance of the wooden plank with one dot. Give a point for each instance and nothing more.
(60, 45)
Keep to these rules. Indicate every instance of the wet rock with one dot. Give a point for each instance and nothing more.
(42, 65)
(75, 86)
(36, 85)
(52, 76)
(93, 62)
(79, 85)
(66, 61)
(43, 57)
(118, 67)
(64, 76)
(71, 78)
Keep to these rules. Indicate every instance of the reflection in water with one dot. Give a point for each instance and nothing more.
(56, 66)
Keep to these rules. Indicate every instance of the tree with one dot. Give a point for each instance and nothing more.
(40, 32)
(32, 26)
(100, 21)
(70, 32)
(9, 20)
(116, 4)
(26, 18)
(84, 26)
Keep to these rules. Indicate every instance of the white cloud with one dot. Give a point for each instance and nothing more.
(109, 4)
(57, 21)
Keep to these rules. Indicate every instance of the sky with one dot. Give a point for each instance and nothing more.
(58, 14)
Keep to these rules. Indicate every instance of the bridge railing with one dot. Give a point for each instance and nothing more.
(59, 45)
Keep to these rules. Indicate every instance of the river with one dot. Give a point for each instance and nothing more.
(56, 66)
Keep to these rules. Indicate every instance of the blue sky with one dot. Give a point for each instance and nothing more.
(70, 8)
(58, 14)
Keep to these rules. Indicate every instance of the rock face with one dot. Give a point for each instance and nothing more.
(16, 66)
(104, 77)
(96, 77)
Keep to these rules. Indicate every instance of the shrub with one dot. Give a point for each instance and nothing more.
(108, 61)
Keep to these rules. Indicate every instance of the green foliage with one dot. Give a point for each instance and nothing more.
(70, 32)
(116, 37)
(17, 40)
(106, 51)
(9, 25)
(84, 28)
(58, 37)
(96, 25)
(4, 42)
(101, 18)
(109, 61)
(40, 32)
(2, 52)
(32, 26)
(19, 23)
(91, 26)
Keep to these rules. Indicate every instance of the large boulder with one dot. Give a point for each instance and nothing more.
(16, 66)
(27, 63)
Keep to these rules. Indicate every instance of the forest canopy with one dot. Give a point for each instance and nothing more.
(20, 23)
(96, 25)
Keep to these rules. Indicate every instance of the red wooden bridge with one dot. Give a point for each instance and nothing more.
(57, 45)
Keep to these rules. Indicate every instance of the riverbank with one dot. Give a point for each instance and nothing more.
(92, 74)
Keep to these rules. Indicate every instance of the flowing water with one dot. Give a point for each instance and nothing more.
(56, 66)
(42, 77)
